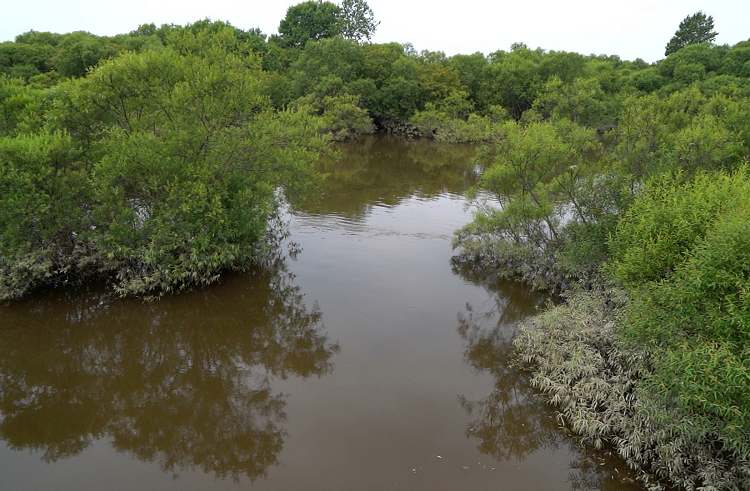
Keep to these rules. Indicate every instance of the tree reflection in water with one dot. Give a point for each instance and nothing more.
(513, 422)
(388, 171)
(184, 381)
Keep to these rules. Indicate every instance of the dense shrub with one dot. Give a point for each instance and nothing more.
(600, 386)
(161, 169)
(684, 252)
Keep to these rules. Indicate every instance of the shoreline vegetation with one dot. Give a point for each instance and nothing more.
(159, 158)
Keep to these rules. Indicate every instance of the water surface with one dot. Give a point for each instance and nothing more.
(367, 363)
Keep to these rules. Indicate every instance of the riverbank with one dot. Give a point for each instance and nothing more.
(596, 382)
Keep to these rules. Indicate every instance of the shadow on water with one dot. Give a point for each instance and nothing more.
(185, 382)
(512, 421)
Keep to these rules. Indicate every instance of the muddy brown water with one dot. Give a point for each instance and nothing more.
(366, 363)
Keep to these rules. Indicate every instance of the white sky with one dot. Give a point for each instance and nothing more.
(631, 29)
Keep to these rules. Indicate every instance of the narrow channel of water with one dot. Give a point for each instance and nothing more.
(367, 363)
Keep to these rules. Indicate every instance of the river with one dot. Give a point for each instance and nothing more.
(365, 362)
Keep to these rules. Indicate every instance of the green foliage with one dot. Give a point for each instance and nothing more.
(601, 199)
(706, 56)
(323, 61)
(682, 133)
(563, 65)
(24, 60)
(39, 38)
(582, 102)
(164, 171)
(665, 223)
(340, 116)
(400, 97)
(735, 62)
(539, 174)
(472, 71)
(684, 251)
(515, 80)
(531, 168)
(610, 73)
(694, 29)
(600, 386)
(451, 119)
(356, 20)
(438, 81)
(189, 200)
(378, 60)
(308, 21)
(647, 80)
(689, 73)
(41, 212)
(585, 249)
(79, 51)
(526, 160)
(21, 107)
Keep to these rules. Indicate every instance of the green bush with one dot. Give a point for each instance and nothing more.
(684, 252)
(43, 194)
(667, 220)
(162, 170)
(601, 387)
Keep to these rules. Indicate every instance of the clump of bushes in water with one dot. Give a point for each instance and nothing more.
(561, 187)
(655, 360)
(547, 178)
(157, 170)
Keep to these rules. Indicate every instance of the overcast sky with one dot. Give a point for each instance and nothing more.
(632, 29)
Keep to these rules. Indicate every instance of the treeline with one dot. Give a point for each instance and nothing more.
(453, 98)
(360, 87)
(357, 84)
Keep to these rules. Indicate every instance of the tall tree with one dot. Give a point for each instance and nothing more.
(356, 20)
(308, 21)
(694, 29)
